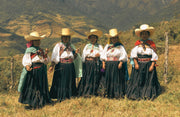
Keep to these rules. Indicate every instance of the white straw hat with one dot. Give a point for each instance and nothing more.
(144, 27)
(94, 32)
(113, 33)
(34, 36)
(66, 32)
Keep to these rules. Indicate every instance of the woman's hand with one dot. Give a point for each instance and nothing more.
(151, 68)
(46, 51)
(103, 65)
(136, 65)
(120, 65)
(97, 55)
(28, 68)
(77, 51)
(51, 69)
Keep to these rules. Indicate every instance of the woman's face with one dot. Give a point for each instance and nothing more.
(144, 35)
(36, 43)
(114, 39)
(66, 39)
(93, 38)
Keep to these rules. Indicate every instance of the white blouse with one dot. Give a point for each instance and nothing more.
(65, 54)
(148, 51)
(37, 59)
(117, 51)
(91, 51)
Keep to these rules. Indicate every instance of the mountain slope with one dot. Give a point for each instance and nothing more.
(122, 14)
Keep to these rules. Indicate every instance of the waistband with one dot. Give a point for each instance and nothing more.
(144, 56)
(112, 59)
(92, 58)
(144, 59)
(66, 60)
(37, 65)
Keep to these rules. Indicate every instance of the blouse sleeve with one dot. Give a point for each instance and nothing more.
(123, 54)
(83, 54)
(104, 54)
(134, 52)
(27, 59)
(55, 54)
(154, 56)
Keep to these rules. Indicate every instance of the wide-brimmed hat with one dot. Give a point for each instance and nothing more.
(94, 32)
(34, 36)
(144, 27)
(113, 33)
(66, 32)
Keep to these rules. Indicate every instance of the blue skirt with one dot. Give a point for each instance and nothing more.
(35, 91)
(143, 84)
(63, 85)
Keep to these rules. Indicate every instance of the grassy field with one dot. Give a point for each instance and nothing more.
(166, 105)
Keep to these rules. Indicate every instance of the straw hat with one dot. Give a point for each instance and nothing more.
(34, 36)
(94, 32)
(144, 27)
(65, 32)
(113, 33)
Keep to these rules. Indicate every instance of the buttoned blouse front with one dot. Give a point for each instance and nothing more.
(143, 51)
(118, 51)
(27, 60)
(56, 53)
(91, 50)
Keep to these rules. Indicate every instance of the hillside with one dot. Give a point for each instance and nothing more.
(122, 14)
(13, 30)
(167, 104)
(19, 17)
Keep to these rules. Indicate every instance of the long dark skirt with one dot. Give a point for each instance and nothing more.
(35, 91)
(63, 85)
(91, 76)
(114, 80)
(143, 84)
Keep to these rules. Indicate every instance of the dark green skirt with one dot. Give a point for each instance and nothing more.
(63, 85)
(143, 84)
(91, 76)
(35, 91)
(114, 80)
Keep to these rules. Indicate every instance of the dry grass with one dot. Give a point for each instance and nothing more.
(167, 104)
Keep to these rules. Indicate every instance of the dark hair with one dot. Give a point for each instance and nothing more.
(92, 35)
(117, 37)
(145, 31)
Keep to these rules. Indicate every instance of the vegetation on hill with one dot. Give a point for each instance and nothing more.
(167, 104)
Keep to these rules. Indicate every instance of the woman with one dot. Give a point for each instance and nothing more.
(33, 83)
(91, 65)
(114, 56)
(144, 83)
(67, 64)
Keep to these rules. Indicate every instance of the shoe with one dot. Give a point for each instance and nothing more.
(28, 107)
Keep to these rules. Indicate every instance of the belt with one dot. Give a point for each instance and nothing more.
(66, 60)
(112, 59)
(92, 58)
(144, 59)
(37, 65)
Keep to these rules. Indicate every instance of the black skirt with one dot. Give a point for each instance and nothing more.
(143, 84)
(91, 76)
(35, 91)
(63, 85)
(114, 81)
